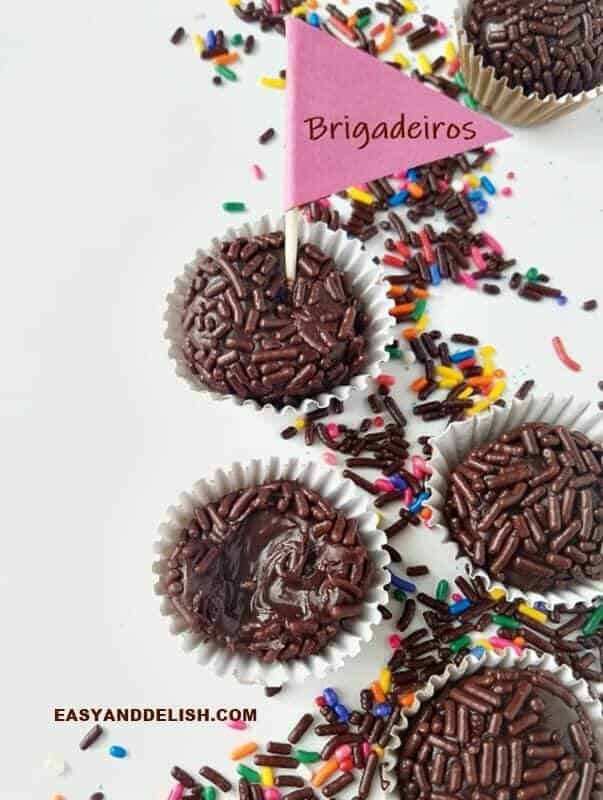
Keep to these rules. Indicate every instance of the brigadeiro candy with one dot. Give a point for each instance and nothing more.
(240, 329)
(501, 734)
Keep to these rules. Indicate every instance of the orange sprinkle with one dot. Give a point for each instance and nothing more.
(352, 20)
(415, 190)
(402, 310)
(377, 692)
(312, 3)
(406, 700)
(419, 384)
(424, 293)
(243, 750)
(479, 380)
(409, 333)
(500, 373)
(325, 772)
(387, 40)
(227, 58)
(396, 291)
(425, 513)
(519, 641)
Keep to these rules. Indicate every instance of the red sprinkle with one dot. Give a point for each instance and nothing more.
(378, 422)
(563, 356)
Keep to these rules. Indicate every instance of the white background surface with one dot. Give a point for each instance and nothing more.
(116, 155)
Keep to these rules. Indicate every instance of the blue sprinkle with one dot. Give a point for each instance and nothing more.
(478, 651)
(435, 274)
(475, 194)
(314, 19)
(461, 355)
(117, 752)
(398, 481)
(210, 40)
(400, 583)
(412, 175)
(382, 710)
(457, 608)
(487, 184)
(481, 206)
(330, 695)
(561, 300)
(541, 606)
(397, 199)
(342, 713)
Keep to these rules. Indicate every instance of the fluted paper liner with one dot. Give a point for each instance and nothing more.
(496, 97)
(346, 498)
(469, 666)
(451, 447)
(363, 278)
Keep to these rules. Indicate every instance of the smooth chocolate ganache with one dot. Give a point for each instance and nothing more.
(501, 734)
(272, 570)
(544, 46)
(528, 507)
(247, 333)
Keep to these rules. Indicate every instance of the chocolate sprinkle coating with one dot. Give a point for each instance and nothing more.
(272, 570)
(248, 334)
(492, 730)
(546, 47)
(528, 507)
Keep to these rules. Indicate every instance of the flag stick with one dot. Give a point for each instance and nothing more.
(291, 237)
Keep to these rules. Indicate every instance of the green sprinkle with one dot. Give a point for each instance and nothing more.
(362, 22)
(400, 595)
(460, 644)
(593, 622)
(225, 72)
(394, 352)
(470, 101)
(503, 621)
(246, 772)
(420, 307)
(306, 756)
(236, 40)
(442, 591)
(209, 793)
(459, 80)
(233, 205)
(532, 274)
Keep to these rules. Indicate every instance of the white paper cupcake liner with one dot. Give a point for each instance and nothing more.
(494, 95)
(363, 278)
(469, 666)
(451, 447)
(346, 498)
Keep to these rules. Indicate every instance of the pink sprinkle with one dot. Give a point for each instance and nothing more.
(400, 175)
(404, 29)
(441, 29)
(379, 28)
(324, 202)
(332, 429)
(478, 259)
(378, 422)
(500, 643)
(491, 151)
(506, 191)
(343, 752)
(237, 725)
(492, 243)
(394, 641)
(456, 597)
(329, 458)
(444, 186)
(176, 792)
(270, 793)
(258, 172)
(467, 279)
(366, 749)
(420, 467)
(276, 6)
(408, 497)
(383, 485)
(385, 380)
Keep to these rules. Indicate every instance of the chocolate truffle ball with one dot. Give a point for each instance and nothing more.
(547, 48)
(528, 508)
(247, 333)
(273, 571)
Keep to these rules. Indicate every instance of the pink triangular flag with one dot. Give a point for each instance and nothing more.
(330, 82)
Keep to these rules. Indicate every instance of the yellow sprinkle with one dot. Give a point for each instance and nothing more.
(234, 3)
(447, 383)
(243, 750)
(449, 373)
(198, 43)
(422, 323)
(486, 168)
(532, 613)
(484, 643)
(385, 679)
(472, 180)
(497, 593)
(360, 196)
(466, 393)
(266, 776)
(300, 423)
(488, 367)
(449, 51)
(379, 750)
(409, 6)
(273, 83)
(424, 64)
(298, 11)
(401, 59)
(493, 395)
(487, 351)
(378, 519)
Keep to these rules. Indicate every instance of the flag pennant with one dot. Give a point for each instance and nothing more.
(351, 118)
